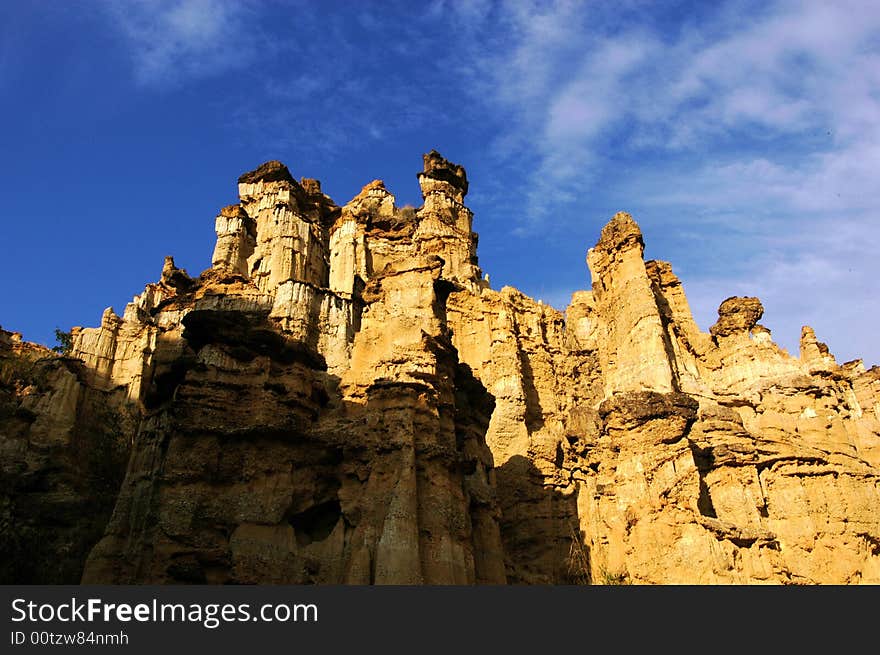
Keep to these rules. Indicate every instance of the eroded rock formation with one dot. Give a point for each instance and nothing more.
(342, 398)
(64, 443)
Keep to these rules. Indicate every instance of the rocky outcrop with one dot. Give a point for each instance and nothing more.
(64, 444)
(308, 419)
(632, 348)
(342, 398)
(737, 316)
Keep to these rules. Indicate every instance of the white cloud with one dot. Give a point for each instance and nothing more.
(766, 119)
(565, 86)
(172, 40)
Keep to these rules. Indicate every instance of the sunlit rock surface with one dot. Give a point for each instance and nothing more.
(342, 398)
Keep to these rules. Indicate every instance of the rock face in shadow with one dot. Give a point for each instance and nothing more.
(342, 398)
(63, 451)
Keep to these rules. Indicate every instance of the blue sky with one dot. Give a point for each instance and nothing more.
(744, 137)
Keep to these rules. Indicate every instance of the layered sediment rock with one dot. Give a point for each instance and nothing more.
(342, 398)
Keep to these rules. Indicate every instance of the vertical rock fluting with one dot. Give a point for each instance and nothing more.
(310, 425)
(290, 242)
(742, 477)
(445, 224)
(632, 349)
(341, 398)
(236, 239)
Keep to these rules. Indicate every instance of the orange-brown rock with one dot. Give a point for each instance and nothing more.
(342, 398)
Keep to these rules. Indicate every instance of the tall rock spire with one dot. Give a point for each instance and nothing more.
(633, 352)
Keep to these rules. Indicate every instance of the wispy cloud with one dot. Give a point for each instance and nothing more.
(372, 78)
(170, 41)
(307, 76)
(755, 127)
(573, 91)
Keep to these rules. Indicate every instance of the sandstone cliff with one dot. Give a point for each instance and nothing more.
(342, 398)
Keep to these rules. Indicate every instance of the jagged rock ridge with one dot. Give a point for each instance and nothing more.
(342, 398)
